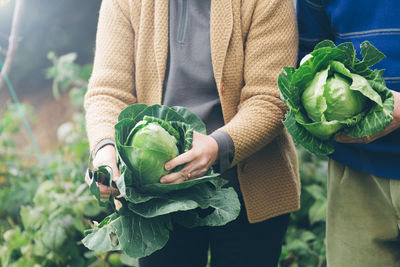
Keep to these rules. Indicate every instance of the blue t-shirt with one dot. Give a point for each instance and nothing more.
(356, 21)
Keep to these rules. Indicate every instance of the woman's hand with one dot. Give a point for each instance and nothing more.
(105, 156)
(395, 124)
(197, 160)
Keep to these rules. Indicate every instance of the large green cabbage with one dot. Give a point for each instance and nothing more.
(146, 138)
(151, 147)
(333, 92)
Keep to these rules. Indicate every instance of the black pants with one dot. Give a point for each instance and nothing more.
(237, 244)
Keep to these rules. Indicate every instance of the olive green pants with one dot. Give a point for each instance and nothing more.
(363, 219)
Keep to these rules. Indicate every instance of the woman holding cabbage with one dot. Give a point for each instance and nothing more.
(363, 173)
(220, 59)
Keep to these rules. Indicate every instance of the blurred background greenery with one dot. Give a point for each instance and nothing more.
(61, 26)
(42, 219)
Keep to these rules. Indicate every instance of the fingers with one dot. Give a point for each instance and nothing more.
(344, 139)
(196, 161)
(192, 170)
(174, 178)
(106, 156)
(189, 172)
(105, 191)
(180, 160)
(347, 139)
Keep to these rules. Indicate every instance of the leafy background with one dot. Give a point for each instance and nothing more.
(41, 219)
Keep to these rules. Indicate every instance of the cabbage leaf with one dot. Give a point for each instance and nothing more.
(146, 137)
(334, 92)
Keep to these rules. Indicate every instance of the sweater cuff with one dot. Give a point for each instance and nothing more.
(226, 150)
(102, 144)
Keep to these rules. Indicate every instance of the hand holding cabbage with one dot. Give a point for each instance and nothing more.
(332, 93)
(105, 156)
(146, 138)
(394, 125)
(197, 161)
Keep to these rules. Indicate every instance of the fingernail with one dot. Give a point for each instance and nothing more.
(163, 181)
(167, 167)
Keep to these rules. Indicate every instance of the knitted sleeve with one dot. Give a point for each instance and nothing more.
(111, 86)
(271, 44)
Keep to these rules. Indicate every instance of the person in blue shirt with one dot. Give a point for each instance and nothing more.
(363, 215)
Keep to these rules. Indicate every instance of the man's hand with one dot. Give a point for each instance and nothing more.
(106, 156)
(197, 160)
(395, 124)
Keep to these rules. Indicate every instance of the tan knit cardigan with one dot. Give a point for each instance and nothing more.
(251, 40)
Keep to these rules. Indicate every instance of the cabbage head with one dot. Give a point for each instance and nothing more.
(151, 147)
(333, 92)
(146, 138)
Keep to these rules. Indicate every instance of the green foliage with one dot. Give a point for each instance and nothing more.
(44, 228)
(147, 137)
(36, 215)
(152, 146)
(148, 208)
(305, 238)
(51, 226)
(334, 92)
(42, 221)
(67, 75)
(18, 175)
(61, 26)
